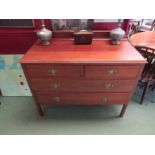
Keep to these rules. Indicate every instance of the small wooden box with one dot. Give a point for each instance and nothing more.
(83, 37)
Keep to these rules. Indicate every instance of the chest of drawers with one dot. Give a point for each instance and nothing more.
(64, 73)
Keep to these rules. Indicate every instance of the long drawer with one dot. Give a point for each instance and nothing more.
(82, 98)
(111, 72)
(43, 70)
(82, 85)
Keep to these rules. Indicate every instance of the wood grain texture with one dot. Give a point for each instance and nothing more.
(112, 71)
(100, 73)
(99, 52)
(82, 85)
(50, 70)
(82, 98)
(146, 39)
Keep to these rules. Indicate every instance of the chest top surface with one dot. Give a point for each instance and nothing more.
(65, 51)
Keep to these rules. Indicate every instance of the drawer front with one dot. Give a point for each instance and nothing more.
(82, 85)
(112, 72)
(82, 98)
(37, 71)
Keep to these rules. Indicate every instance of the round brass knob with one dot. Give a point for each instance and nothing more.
(108, 85)
(56, 99)
(55, 85)
(52, 72)
(104, 99)
(111, 71)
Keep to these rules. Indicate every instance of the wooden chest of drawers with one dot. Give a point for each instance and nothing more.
(64, 73)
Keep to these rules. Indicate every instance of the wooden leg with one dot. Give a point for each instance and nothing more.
(40, 111)
(123, 110)
(144, 92)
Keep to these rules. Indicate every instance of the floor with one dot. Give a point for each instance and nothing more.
(18, 116)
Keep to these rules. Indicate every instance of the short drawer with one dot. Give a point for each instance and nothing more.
(112, 72)
(82, 98)
(82, 85)
(37, 71)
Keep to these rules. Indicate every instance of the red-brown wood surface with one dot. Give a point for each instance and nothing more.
(82, 85)
(65, 73)
(89, 71)
(70, 34)
(146, 39)
(82, 98)
(100, 51)
(112, 72)
(50, 70)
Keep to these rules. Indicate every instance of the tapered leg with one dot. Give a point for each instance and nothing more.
(144, 92)
(123, 110)
(40, 111)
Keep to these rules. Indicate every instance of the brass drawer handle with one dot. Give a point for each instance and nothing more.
(109, 85)
(56, 99)
(52, 72)
(55, 85)
(111, 71)
(104, 99)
